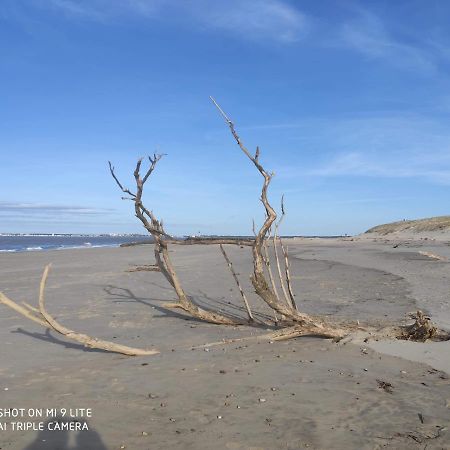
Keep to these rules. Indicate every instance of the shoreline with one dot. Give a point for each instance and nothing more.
(39, 246)
(400, 239)
(81, 247)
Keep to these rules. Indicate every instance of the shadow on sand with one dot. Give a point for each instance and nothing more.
(49, 439)
(227, 309)
(47, 336)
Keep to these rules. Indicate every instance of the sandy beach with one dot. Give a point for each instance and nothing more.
(303, 393)
(224, 225)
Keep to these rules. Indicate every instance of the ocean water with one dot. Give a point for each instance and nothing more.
(11, 244)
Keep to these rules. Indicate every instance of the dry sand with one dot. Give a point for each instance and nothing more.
(305, 393)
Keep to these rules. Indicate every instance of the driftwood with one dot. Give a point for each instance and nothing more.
(293, 321)
(236, 279)
(276, 239)
(271, 277)
(145, 268)
(197, 241)
(287, 314)
(156, 228)
(269, 268)
(421, 330)
(303, 322)
(213, 241)
(42, 317)
(288, 275)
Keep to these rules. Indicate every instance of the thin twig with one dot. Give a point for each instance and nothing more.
(288, 275)
(236, 279)
(269, 270)
(275, 239)
(286, 260)
(22, 310)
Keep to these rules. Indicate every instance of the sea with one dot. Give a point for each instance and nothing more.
(36, 243)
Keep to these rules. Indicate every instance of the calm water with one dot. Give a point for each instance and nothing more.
(39, 243)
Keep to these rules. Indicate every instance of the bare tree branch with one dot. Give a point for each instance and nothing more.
(22, 310)
(269, 270)
(236, 279)
(262, 288)
(258, 279)
(123, 189)
(289, 299)
(156, 229)
(280, 276)
(288, 275)
(42, 317)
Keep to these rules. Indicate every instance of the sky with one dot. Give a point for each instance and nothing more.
(348, 101)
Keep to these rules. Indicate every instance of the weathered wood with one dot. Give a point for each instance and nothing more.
(421, 330)
(156, 228)
(288, 275)
(275, 239)
(236, 279)
(213, 241)
(145, 268)
(47, 321)
(262, 288)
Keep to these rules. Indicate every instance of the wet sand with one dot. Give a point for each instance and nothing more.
(303, 393)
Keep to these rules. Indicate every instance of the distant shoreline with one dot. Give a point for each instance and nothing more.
(73, 234)
(38, 243)
(17, 243)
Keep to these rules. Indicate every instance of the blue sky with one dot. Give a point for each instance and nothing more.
(349, 102)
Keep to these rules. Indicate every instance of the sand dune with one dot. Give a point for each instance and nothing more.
(437, 228)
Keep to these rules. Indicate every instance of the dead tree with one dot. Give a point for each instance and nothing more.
(155, 227)
(303, 323)
(293, 322)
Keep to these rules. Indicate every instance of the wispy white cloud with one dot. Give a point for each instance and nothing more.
(10, 208)
(257, 19)
(383, 146)
(103, 10)
(252, 19)
(363, 165)
(76, 9)
(369, 35)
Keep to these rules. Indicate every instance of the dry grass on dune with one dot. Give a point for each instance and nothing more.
(441, 223)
